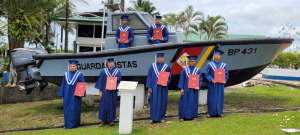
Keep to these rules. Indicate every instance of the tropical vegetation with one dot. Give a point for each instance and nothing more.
(194, 22)
(290, 59)
(108, 2)
(67, 3)
(30, 22)
(144, 6)
(27, 22)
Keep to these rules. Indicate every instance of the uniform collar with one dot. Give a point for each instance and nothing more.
(72, 71)
(159, 64)
(111, 69)
(217, 62)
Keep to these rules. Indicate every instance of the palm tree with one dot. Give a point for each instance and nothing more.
(198, 29)
(67, 23)
(34, 40)
(165, 21)
(23, 17)
(109, 2)
(144, 6)
(123, 4)
(59, 12)
(216, 27)
(171, 20)
(180, 21)
(190, 16)
(51, 10)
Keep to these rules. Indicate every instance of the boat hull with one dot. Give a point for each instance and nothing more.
(244, 59)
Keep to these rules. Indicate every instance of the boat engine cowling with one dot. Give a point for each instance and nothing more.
(22, 61)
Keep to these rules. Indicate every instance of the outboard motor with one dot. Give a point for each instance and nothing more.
(22, 61)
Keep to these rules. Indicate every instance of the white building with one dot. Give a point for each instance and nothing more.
(88, 27)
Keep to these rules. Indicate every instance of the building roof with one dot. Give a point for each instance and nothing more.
(193, 37)
(79, 19)
(90, 14)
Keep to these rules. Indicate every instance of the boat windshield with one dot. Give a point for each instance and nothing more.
(134, 22)
(148, 18)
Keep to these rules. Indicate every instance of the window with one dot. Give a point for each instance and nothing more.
(86, 49)
(148, 18)
(98, 31)
(134, 22)
(85, 30)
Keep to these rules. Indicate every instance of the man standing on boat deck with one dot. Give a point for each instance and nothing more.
(71, 103)
(188, 105)
(215, 93)
(109, 98)
(158, 93)
(125, 28)
(165, 33)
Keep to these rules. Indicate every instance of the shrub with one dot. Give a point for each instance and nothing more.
(287, 60)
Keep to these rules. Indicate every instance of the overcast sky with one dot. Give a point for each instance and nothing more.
(254, 17)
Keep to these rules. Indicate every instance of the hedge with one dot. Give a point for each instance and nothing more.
(287, 60)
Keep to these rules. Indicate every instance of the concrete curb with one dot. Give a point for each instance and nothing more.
(147, 118)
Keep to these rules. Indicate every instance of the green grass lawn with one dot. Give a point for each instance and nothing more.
(263, 97)
(50, 113)
(270, 123)
(39, 114)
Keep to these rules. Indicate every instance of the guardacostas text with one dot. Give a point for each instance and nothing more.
(119, 64)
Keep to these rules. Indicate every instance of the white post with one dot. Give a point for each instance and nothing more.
(126, 112)
(126, 88)
(60, 48)
(139, 97)
(202, 97)
(103, 19)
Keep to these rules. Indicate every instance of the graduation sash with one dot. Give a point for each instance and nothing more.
(111, 75)
(125, 29)
(162, 26)
(213, 66)
(73, 80)
(156, 70)
(187, 71)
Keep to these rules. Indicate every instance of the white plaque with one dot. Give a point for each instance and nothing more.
(127, 85)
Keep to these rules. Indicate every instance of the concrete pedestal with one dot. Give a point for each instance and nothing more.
(202, 97)
(146, 96)
(89, 100)
(91, 91)
(126, 109)
(139, 94)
